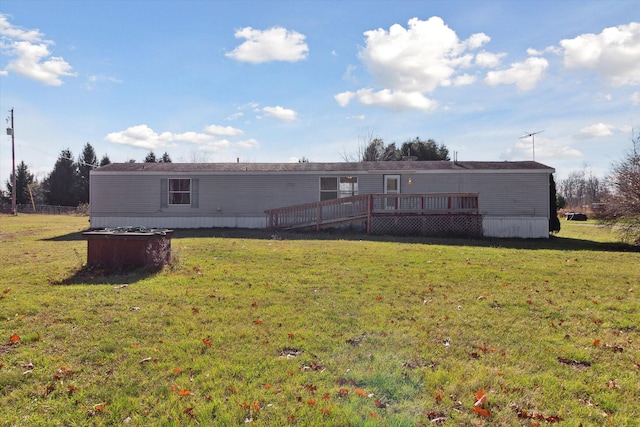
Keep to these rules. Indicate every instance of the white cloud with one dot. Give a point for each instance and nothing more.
(34, 61)
(614, 53)
(30, 56)
(396, 100)
(546, 150)
(223, 130)
(464, 80)
(597, 130)
(344, 98)
(419, 58)
(217, 146)
(93, 81)
(348, 74)
(140, 136)
(247, 143)
(635, 98)
(549, 49)
(15, 33)
(274, 44)
(525, 75)
(280, 113)
(409, 63)
(488, 59)
(190, 137)
(235, 116)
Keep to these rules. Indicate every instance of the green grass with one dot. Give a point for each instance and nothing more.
(328, 329)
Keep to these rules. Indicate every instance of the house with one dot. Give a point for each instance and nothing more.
(511, 199)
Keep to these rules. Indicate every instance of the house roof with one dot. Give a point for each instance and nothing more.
(325, 167)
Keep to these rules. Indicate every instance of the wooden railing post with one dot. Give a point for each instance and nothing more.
(369, 209)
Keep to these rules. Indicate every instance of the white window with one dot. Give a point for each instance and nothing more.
(180, 191)
(338, 187)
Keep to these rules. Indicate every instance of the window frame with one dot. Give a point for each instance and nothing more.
(336, 189)
(171, 192)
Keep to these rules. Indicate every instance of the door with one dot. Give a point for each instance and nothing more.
(391, 186)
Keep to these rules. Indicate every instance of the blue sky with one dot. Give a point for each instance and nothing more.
(275, 81)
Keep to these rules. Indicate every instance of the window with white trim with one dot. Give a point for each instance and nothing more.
(336, 187)
(179, 191)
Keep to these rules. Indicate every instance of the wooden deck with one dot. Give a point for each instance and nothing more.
(362, 208)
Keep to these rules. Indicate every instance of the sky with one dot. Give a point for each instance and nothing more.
(279, 81)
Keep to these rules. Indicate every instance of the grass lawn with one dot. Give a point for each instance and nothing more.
(306, 329)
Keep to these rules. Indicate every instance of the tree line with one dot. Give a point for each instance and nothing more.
(376, 150)
(67, 184)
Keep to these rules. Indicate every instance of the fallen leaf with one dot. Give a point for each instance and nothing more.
(360, 392)
(596, 343)
(480, 398)
(184, 392)
(6, 291)
(207, 341)
(14, 338)
(481, 412)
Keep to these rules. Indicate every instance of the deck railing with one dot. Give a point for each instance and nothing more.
(362, 207)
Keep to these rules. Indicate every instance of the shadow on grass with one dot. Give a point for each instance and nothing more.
(552, 243)
(100, 276)
(69, 237)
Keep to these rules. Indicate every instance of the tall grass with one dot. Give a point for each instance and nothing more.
(328, 329)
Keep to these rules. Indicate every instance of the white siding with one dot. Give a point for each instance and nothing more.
(525, 228)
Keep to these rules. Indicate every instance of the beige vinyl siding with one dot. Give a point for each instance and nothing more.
(124, 194)
(502, 194)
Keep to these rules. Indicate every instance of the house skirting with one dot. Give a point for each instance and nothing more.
(518, 227)
(462, 225)
(491, 226)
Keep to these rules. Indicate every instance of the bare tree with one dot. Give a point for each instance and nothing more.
(582, 189)
(622, 208)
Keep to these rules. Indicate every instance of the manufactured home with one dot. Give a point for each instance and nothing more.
(493, 199)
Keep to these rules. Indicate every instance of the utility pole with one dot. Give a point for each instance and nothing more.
(11, 131)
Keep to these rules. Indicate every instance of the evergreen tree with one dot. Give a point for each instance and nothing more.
(165, 158)
(105, 160)
(425, 150)
(151, 158)
(86, 161)
(24, 179)
(554, 222)
(59, 186)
